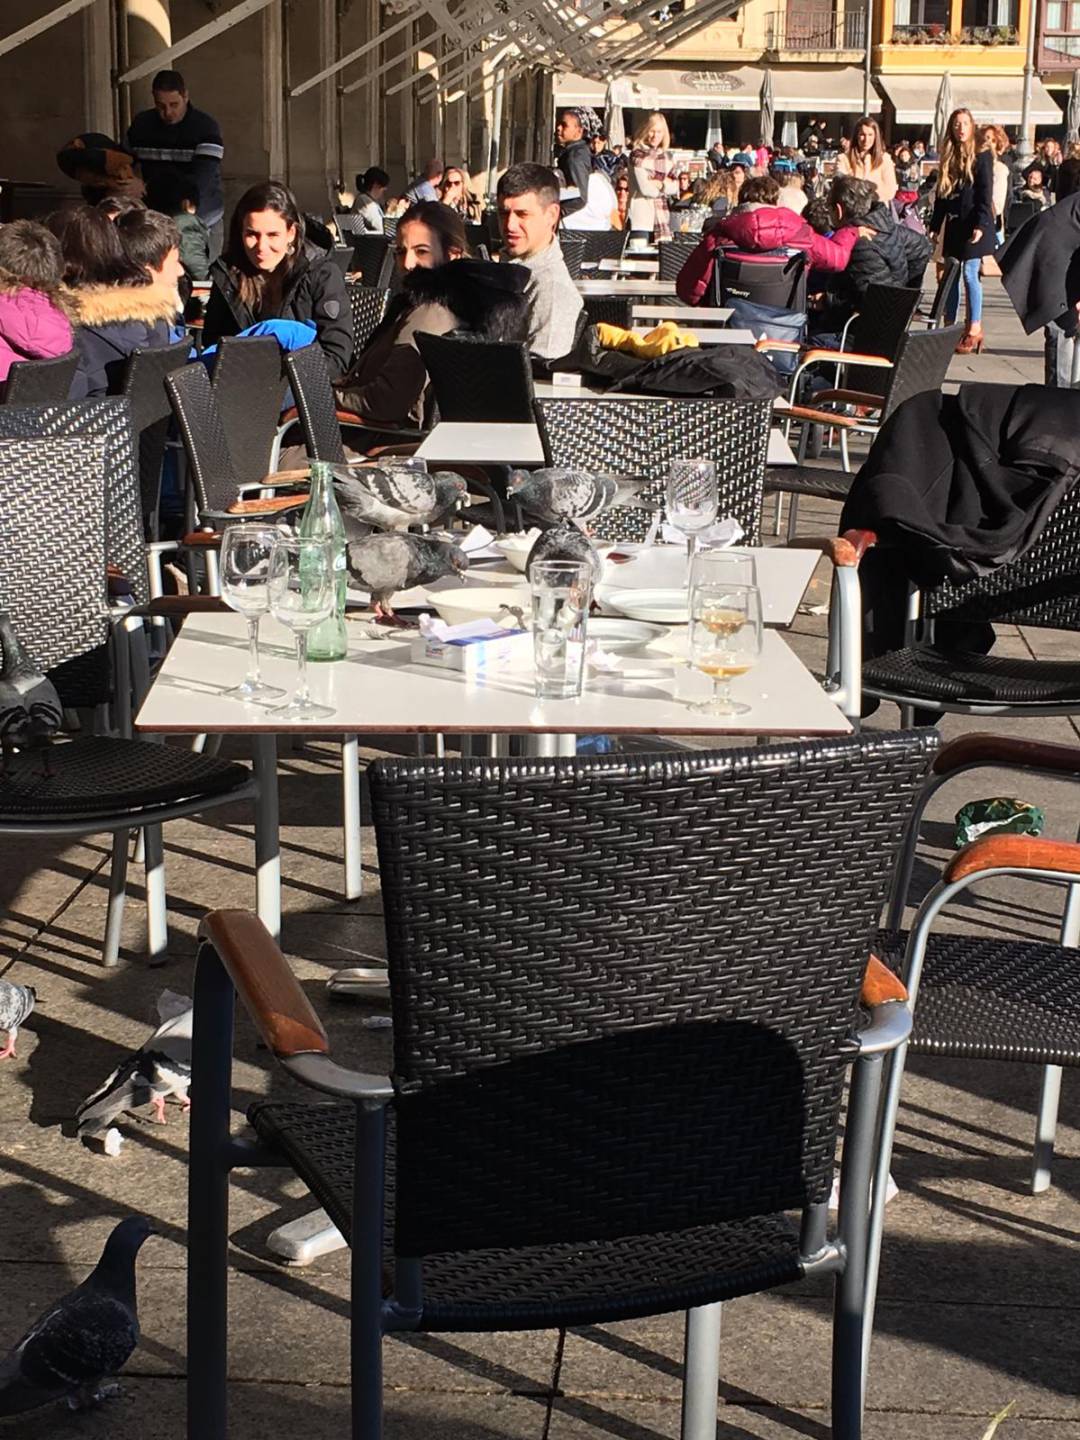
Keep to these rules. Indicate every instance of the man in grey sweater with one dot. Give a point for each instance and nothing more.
(528, 201)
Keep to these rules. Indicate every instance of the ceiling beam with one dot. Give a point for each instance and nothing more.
(38, 27)
(195, 39)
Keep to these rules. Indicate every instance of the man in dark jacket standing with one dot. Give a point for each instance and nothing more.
(176, 139)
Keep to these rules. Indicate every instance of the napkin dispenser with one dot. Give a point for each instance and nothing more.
(477, 649)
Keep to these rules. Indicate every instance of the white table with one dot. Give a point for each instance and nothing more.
(720, 313)
(467, 443)
(628, 267)
(627, 288)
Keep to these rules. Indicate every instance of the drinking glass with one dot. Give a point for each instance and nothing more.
(245, 577)
(691, 498)
(302, 593)
(722, 567)
(561, 592)
(725, 641)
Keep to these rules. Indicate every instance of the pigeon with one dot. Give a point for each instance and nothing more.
(388, 499)
(16, 1004)
(30, 709)
(564, 542)
(162, 1067)
(386, 564)
(451, 492)
(556, 495)
(84, 1338)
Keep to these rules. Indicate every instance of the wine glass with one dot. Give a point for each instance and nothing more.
(722, 567)
(725, 640)
(691, 498)
(302, 593)
(245, 576)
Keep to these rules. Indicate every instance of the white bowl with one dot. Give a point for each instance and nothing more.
(479, 602)
(516, 548)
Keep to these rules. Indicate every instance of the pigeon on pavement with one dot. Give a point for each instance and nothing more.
(84, 1338)
(389, 499)
(564, 542)
(387, 564)
(16, 1003)
(162, 1067)
(556, 495)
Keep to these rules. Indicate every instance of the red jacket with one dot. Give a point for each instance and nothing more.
(767, 227)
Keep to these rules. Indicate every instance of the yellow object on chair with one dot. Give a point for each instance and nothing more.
(662, 341)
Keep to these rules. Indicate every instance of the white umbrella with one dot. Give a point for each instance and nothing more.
(613, 117)
(1072, 114)
(789, 132)
(943, 108)
(768, 109)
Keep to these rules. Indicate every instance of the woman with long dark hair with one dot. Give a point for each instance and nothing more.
(270, 271)
(867, 158)
(964, 216)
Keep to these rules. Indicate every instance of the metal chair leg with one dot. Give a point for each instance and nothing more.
(365, 1337)
(110, 954)
(793, 517)
(1045, 1129)
(157, 926)
(701, 1372)
(350, 804)
(778, 517)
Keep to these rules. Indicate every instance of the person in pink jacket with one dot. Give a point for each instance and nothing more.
(34, 308)
(761, 223)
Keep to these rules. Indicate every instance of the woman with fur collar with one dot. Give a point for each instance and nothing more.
(442, 291)
(124, 279)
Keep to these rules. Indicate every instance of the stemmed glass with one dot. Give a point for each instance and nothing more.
(302, 593)
(691, 498)
(245, 587)
(725, 640)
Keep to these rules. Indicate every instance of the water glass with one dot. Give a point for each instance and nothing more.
(245, 587)
(302, 594)
(691, 498)
(561, 593)
(725, 641)
(722, 567)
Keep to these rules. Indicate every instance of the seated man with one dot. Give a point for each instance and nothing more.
(885, 252)
(528, 202)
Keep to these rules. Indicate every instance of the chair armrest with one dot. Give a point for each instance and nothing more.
(837, 548)
(1008, 751)
(848, 357)
(177, 606)
(890, 1025)
(880, 984)
(1013, 852)
(281, 1011)
(271, 506)
(791, 346)
(277, 479)
(860, 540)
(203, 539)
(822, 417)
(849, 397)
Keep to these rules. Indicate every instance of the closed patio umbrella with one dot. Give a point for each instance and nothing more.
(943, 108)
(1072, 114)
(613, 117)
(768, 109)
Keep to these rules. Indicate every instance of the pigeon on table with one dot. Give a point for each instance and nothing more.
(451, 492)
(556, 495)
(148, 1076)
(388, 499)
(564, 542)
(387, 564)
(16, 1004)
(82, 1340)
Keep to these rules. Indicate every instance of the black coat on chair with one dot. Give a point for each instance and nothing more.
(1040, 265)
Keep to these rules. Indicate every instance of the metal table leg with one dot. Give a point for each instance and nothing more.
(267, 849)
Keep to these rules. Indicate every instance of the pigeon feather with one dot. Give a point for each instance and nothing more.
(388, 499)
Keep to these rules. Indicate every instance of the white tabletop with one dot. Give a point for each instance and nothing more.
(626, 266)
(782, 575)
(466, 442)
(378, 690)
(720, 313)
(628, 288)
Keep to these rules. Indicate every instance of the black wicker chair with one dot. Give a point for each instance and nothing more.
(368, 306)
(599, 244)
(573, 252)
(143, 386)
(609, 310)
(41, 382)
(588, 1119)
(480, 380)
(369, 253)
(249, 384)
(674, 254)
(950, 279)
(642, 437)
(53, 583)
(316, 411)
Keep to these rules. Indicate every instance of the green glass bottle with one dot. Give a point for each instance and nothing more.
(322, 520)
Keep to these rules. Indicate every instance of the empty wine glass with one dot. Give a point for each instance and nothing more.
(302, 593)
(722, 567)
(725, 641)
(245, 587)
(691, 498)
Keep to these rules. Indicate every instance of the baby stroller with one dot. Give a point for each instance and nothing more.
(766, 292)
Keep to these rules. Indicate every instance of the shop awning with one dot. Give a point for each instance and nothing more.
(990, 98)
(822, 91)
(836, 91)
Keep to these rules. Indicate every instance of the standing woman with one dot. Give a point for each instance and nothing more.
(269, 271)
(964, 217)
(652, 179)
(995, 139)
(867, 159)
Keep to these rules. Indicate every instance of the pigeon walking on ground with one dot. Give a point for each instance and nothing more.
(162, 1067)
(16, 1003)
(555, 495)
(387, 564)
(389, 499)
(85, 1338)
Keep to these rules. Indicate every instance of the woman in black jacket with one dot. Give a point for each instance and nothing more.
(270, 272)
(964, 215)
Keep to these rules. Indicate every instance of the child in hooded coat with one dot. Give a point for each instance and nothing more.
(34, 308)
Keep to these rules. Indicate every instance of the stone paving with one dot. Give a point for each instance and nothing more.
(978, 1299)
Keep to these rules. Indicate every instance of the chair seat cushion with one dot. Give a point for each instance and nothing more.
(540, 1287)
(920, 672)
(102, 776)
(988, 999)
(819, 483)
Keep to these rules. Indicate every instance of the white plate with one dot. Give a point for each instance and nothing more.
(665, 607)
(619, 636)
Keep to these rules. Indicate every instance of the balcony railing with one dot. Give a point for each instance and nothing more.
(816, 30)
(937, 34)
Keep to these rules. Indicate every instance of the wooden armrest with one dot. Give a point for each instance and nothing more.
(177, 606)
(846, 357)
(201, 540)
(1014, 852)
(277, 480)
(1006, 750)
(289, 417)
(838, 548)
(880, 984)
(848, 397)
(270, 991)
(822, 417)
(272, 506)
(860, 540)
(766, 344)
